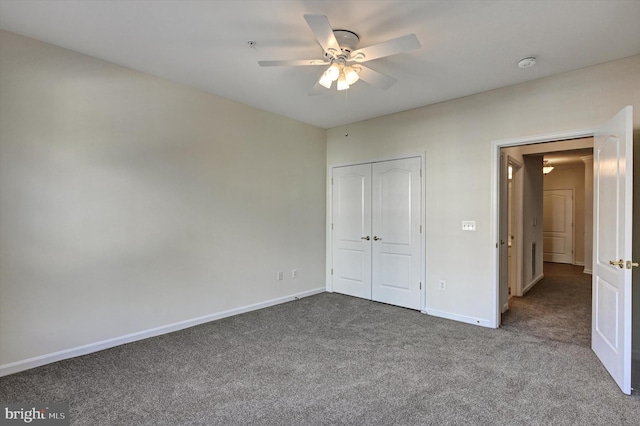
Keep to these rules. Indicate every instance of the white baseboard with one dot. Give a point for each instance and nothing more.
(532, 283)
(579, 263)
(22, 365)
(457, 317)
(587, 271)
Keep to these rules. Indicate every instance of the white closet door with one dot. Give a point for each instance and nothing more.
(351, 219)
(395, 242)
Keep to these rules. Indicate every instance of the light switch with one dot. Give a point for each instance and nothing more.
(468, 225)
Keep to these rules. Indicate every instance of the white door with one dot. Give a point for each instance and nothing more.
(376, 245)
(396, 232)
(504, 235)
(351, 222)
(558, 225)
(611, 306)
(511, 240)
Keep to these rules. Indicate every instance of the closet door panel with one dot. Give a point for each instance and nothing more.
(351, 223)
(396, 211)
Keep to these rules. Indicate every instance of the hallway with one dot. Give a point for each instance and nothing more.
(556, 308)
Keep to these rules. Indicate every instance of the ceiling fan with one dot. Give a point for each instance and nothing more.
(344, 60)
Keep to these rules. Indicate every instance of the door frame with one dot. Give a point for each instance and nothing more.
(515, 199)
(329, 214)
(494, 225)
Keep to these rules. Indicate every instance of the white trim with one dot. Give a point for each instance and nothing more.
(532, 283)
(423, 236)
(22, 365)
(457, 317)
(578, 263)
(517, 227)
(494, 226)
(587, 271)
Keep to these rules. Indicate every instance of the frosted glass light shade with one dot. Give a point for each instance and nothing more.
(351, 75)
(342, 83)
(333, 72)
(325, 80)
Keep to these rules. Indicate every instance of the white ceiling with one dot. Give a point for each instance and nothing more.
(467, 46)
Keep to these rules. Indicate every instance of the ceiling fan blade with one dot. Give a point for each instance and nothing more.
(321, 28)
(300, 62)
(386, 48)
(375, 78)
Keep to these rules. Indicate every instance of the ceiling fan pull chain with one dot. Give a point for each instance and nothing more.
(346, 107)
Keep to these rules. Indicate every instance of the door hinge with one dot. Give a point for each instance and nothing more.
(420, 286)
(331, 181)
(420, 172)
(421, 229)
(331, 271)
(332, 226)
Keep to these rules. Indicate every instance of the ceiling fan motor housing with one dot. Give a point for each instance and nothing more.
(348, 42)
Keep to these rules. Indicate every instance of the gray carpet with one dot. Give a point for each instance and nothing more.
(333, 359)
(558, 307)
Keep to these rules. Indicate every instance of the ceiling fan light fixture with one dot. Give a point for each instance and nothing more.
(339, 52)
(546, 168)
(333, 72)
(351, 75)
(342, 82)
(325, 80)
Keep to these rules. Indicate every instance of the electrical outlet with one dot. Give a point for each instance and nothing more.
(294, 273)
(442, 285)
(280, 276)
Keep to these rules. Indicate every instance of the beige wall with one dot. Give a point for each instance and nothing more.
(129, 203)
(532, 222)
(456, 137)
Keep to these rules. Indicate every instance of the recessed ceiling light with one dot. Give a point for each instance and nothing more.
(527, 62)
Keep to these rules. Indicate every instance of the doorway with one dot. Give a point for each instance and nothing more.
(532, 199)
(612, 219)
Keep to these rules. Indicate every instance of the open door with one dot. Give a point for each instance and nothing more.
(504, 231)
(611, 306)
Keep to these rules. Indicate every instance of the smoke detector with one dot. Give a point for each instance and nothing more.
(527, 62)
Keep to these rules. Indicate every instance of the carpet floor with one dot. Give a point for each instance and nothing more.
(557, 308)
(331, 359)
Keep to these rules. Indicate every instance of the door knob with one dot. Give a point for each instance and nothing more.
(365, 238)
(631, 264)
(620, 263)
(375, 238)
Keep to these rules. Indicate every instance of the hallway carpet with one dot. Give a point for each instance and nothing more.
(558, 307)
